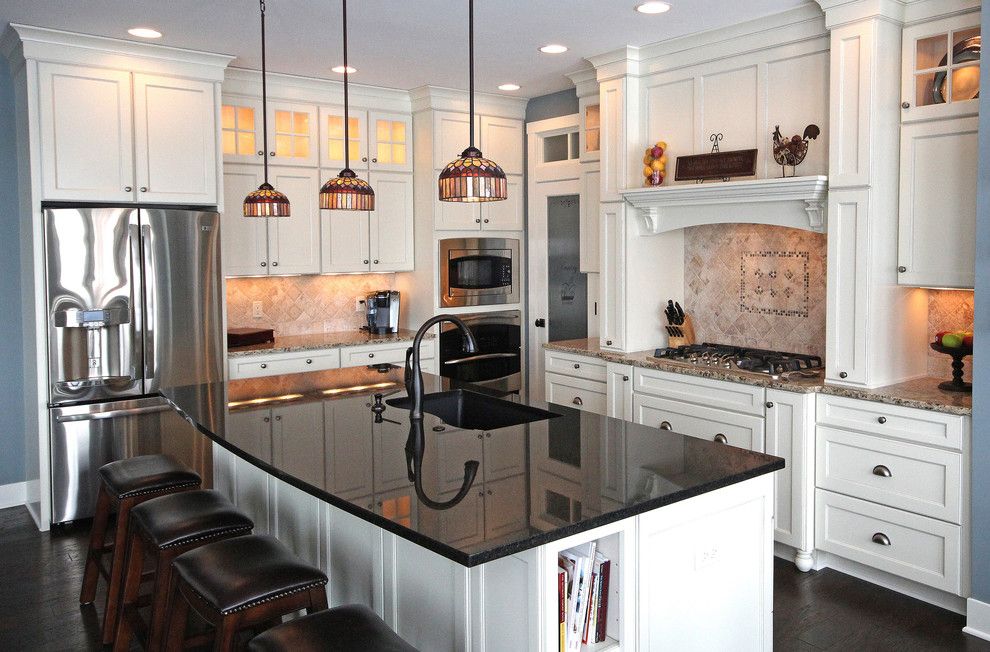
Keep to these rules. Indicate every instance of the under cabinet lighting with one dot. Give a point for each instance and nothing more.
(341, 69)
(553, 48)
(263, 401)
(356, 388)
(144, 32)
(653, 8)
(509, 87)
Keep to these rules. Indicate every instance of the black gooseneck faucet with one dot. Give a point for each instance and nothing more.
(414, 372)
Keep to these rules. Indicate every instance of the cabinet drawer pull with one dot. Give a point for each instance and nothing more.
(843, 374)
(439, 428)
(264, 365)
(309, 361)
(882, 420)
(608, 342)
(577, 401)
(371, 355)
(882, 471)
(577, 366)
(720, 439)
(665, 425)
(881, 539)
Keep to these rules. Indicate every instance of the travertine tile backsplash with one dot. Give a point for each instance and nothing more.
(297, 305)
(948, 310)
(755, 285)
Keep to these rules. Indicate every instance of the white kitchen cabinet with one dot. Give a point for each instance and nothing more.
(505, 506)
(243, 240)
(612, 249)
(721, 426)
(292, 132)
(454, 447)
(590, 257)
(110, 135)
(504, 452)
(274, 364)
(940, 68)
(378, 241)
(349, 460)
(709, 392)
(937, 218)
(505, 215)
(619, 385)
(451, 136)
(575, 364)
(87, 137)
(455, 215)
(391, 472)
(579, 393)
(379, 141)
(502, 141)
(298, 441)
(790, 434)
(175, 140)
(251, 431)
(847, 318)
(390, 353)
(390, 135)
(241, 136)
(332, 138)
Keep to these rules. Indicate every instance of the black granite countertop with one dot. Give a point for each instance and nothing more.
(317, 341)
(338, 439)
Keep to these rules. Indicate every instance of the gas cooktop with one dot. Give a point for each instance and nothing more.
(777, 364)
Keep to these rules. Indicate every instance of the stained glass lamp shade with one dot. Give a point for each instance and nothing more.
(471, 178)
(347, 192)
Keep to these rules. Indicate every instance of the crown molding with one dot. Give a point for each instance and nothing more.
(621, 62)
(437, 98)
(281, 86)
(585, 82)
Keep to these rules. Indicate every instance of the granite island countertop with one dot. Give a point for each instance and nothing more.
(317, 341)
(919, 393)
(360, 452)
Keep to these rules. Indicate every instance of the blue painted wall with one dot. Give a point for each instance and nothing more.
(552, 106)
(981, 356)
(11, 359)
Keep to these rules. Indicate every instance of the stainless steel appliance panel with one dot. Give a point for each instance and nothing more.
(94, 300)
(497, 364)
(479, 271)
(183, 342)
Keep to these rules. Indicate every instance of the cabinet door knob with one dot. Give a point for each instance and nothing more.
(274, 263)
(144, 189)
(881, 538)
(902, 269)
(261, 152)
(271, 153)
(720, 439)
(625, 379)
(769, 404)
(264, 365)
(489, 492)
(309, 361)
(481, 494)
(364, 159)
(267, 420)
(480, 436)
(665, 425)
(882, 471)
(371, 355)
(488, 435)
(608, 342)
(376, 261)
(374, 160)
(905, 105)
(577, 366)
(486, 220)
(881, 420)
(128, 189)
(477, 221)
(366, 261)
(843, 374)
(436, 428)
(278, 418)
(577, 401)
(264, 264)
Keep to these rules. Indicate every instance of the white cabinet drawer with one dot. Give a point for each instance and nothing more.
(917, 547)
(580, 366)
(908, 476)
(356, 356)
(702, 391)
(580, 393)
(909, 424)
(288, 363)
(742, 430)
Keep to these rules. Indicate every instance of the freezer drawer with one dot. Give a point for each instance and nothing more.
(85, 437)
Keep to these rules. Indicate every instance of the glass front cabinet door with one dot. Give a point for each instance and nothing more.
(291, 132)
(391, 138)
(332, 138)
(941, 69)
(240, 125)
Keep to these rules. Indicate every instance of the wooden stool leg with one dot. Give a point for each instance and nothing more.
(317, 599)
(159, 605)
(116, 570)
(177, 616)
(226, 633)
(130, 591)
(96, 541)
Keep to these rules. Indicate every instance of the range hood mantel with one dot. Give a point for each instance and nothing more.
(796, 202)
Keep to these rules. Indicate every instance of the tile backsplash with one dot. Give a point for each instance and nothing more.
(948, 310)
(297, 305)
(756, 285)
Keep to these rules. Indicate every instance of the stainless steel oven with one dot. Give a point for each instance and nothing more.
(479, 271)
(497, 362)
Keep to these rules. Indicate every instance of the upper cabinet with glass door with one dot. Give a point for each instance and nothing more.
(332, 138)
(941, 69)
(292, 132)
(391, 142)
(378, 141)
(591, 138)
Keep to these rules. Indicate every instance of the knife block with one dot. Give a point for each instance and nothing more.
(686, 334)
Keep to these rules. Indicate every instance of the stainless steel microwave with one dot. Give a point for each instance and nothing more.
(479, 271)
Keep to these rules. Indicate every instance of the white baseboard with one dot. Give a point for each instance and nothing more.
(13, 494)
(977, 619)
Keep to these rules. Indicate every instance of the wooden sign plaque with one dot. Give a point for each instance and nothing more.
(717, 165)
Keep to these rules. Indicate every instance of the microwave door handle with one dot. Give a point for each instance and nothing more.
(483, 356)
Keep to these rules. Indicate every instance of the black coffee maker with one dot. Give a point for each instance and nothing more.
(383, 311)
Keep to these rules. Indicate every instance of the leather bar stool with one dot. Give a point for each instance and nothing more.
(125, 484)
(164, 528)
(350, 628)
(242, 583)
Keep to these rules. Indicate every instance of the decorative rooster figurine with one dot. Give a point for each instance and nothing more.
(791, 151)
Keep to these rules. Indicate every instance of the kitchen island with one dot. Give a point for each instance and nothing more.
(461, 560)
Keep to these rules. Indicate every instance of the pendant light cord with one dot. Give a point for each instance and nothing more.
(347, 119)
(264, 93)
(471, 68)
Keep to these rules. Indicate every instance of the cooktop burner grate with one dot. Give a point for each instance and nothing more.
(773, 363)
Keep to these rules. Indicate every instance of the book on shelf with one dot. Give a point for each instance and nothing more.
(562, 603)
(582, 587)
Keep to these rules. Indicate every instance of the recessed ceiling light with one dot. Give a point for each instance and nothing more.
(553, 48)
(144, 32)
(508, 87)
(340, 69)
(653, 8)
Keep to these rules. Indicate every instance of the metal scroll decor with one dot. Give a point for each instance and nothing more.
(717, 164)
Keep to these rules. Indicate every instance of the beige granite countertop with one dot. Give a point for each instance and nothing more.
(316, 341)
(920, 393)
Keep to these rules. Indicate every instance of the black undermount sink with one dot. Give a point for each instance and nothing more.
(474, 411)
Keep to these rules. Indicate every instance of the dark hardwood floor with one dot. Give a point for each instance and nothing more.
(825, 610)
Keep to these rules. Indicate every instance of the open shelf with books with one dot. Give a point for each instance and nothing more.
(588, 576)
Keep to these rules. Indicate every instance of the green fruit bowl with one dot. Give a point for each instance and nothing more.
(957, 384)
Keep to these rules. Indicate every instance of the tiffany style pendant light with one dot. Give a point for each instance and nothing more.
(265, 201)
(347, 191)
(471, 177)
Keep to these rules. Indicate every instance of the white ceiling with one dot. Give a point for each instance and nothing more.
(400, 43)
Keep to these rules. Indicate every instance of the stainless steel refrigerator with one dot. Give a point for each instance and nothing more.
(134, 306)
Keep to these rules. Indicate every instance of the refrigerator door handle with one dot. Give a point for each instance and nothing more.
(147, 308)
(134, 244)
(111, 414)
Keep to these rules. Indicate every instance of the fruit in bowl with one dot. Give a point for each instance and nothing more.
(955, 339)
